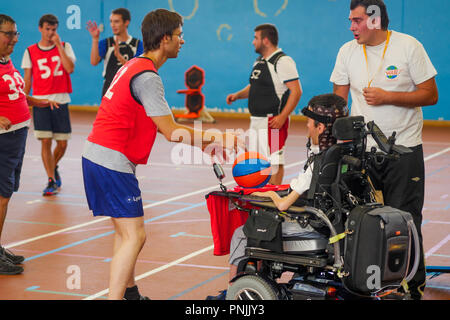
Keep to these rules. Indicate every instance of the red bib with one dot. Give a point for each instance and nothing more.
(122, 123)
(49, 75)
(13, 101)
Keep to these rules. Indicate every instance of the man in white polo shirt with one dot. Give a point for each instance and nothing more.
(390, 77)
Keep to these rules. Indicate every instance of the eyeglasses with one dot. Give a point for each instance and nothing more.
(180, 35)
(11, 34)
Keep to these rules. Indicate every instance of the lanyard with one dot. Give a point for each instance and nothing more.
(381, 62)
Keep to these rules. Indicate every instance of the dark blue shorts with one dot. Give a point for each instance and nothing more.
(12, 150)
(111, 193)
(48, 123)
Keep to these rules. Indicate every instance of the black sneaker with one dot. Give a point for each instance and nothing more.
(139, 298)
(51, 189)
(8, 268)
(11, 256)
(133, 294)
(57, 177)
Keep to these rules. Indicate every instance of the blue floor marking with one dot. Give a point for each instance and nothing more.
(111, 232)
(184, 234)
(36, 289)
(198, 285)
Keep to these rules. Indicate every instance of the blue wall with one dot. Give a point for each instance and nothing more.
(310, 31)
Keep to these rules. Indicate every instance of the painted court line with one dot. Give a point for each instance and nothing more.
(159, 269)
(163, 202)
(198, 285)
(211, 247)
(108, 259)
(437, 246)
(153, 223)
(437, 154)
(36, 289)
(83, 241)
(160, 203)
(205, 190)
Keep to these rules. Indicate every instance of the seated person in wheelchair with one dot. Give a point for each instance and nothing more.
(321, 112)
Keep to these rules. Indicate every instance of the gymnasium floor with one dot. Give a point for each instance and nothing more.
(62, 240)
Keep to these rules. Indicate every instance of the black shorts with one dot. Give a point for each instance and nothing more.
(12, 150)
(52, 123)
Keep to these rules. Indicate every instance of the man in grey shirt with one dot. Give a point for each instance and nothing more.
(132, 111)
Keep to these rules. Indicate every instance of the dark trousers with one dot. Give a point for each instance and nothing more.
(403, 185)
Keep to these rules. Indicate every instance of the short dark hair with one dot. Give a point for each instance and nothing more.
(367, 3)
(6, 19)
(157, 24)
(49, 18)
(125, 13)
(268, 31)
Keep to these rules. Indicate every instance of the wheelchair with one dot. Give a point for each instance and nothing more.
(324, 263)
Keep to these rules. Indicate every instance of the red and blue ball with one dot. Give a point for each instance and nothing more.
(251, 170)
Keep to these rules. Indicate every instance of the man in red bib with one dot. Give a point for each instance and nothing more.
(14, 122)
(131, 113)
(48, 65)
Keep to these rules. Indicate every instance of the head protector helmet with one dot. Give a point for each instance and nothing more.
(326, 108)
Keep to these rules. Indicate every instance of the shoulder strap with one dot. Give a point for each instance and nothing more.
(275, 58)
(317, 160)
(110, 41)
(134, 42)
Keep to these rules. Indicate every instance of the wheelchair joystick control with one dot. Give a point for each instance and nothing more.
(220, 174)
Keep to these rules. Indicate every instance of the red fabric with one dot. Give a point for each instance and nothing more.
(49, 75)
(122, 123)
(223, 222)
(267, 187)
(278, 137)
(225, 217)
(13, 101)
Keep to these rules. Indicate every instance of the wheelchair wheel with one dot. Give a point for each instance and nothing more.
(251, 287)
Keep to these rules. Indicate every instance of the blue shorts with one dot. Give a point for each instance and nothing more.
(52, 123)
(111, 193)
(12, 150)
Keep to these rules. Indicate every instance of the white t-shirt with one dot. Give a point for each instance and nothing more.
(286, 72)
(61, 98)
(405, 65)
(303, 181)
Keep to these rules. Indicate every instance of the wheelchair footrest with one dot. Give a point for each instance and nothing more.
(262, 254)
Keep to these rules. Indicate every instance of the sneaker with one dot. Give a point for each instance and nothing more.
(133, 294)
(51, 188)
(221, 296)
(57, 177)
(11, 256)
(140, 298)
(8, 268)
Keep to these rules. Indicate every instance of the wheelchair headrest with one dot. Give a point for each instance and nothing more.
(348, 128)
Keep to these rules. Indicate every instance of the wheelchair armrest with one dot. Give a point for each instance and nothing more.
(256, 199)
(271, 205)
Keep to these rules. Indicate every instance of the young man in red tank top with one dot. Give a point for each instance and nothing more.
(47, 66)
(131, 113)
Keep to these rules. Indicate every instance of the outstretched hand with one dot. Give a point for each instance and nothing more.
(42, 103)
(93, 29)
(5, 123)
(223, 147)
